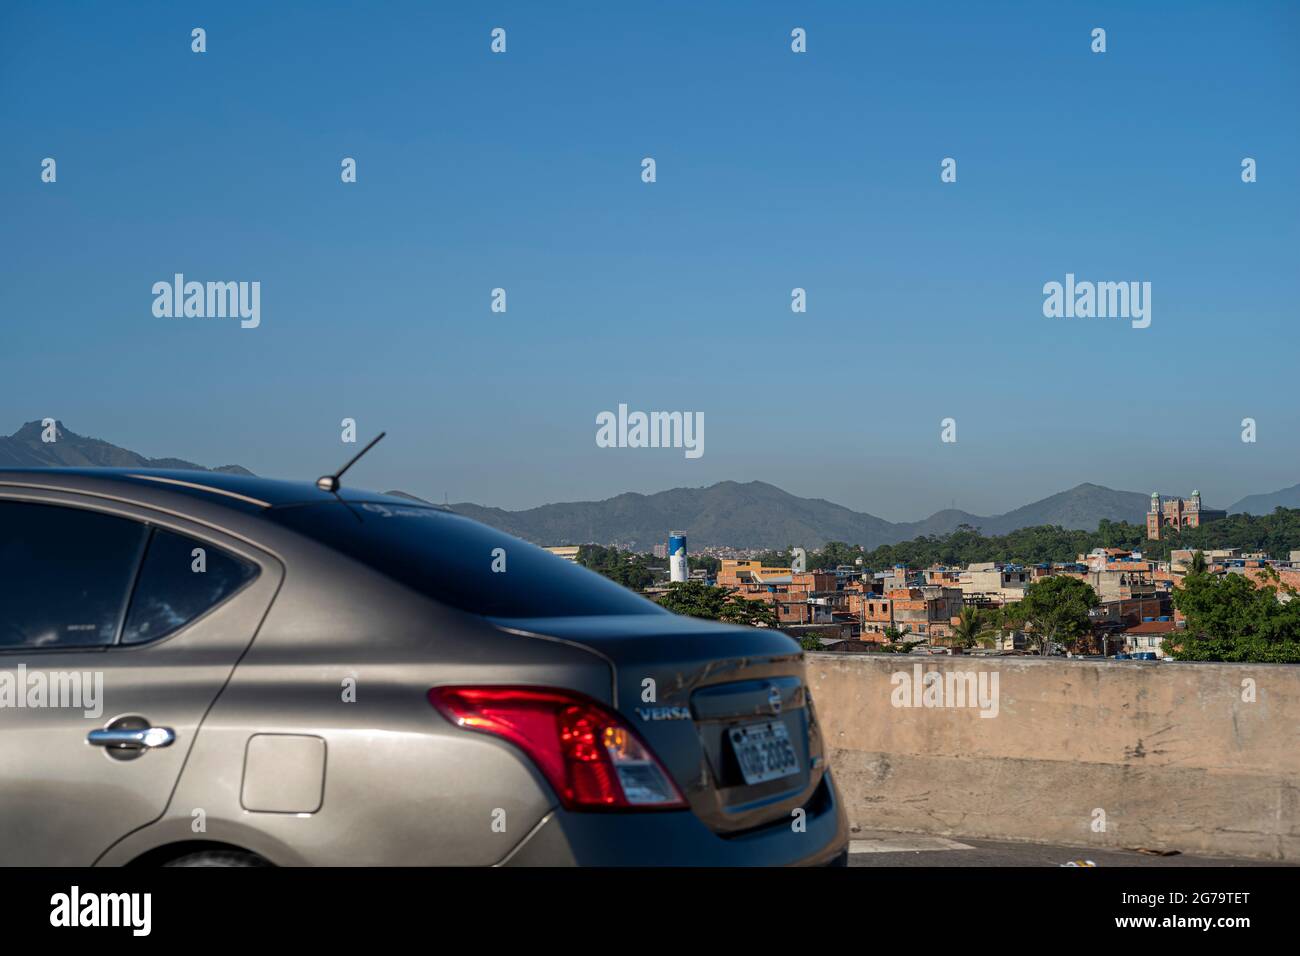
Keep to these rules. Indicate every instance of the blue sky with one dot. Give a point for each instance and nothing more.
(775, 170)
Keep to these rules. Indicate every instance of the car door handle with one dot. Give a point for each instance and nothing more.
(143, 738)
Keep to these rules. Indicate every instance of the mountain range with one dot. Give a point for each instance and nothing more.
(26, 449)
(743, 515)
(758, 515)
(1265, 504)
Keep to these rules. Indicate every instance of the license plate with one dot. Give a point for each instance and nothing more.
(764, 751)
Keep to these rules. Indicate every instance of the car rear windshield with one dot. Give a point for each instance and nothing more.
(461, 562)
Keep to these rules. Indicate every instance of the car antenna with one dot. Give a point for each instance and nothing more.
(331, 482)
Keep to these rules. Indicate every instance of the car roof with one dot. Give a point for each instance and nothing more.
(247, 493)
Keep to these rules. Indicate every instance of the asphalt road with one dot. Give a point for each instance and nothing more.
(877, 848)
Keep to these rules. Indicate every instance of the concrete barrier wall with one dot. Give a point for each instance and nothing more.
(1170, 753)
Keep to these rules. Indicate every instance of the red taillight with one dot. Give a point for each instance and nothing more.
(591, 757)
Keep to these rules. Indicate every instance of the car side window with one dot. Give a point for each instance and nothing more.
(180, 579)
(64, 574)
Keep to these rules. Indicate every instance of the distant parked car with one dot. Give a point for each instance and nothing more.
(291, 675)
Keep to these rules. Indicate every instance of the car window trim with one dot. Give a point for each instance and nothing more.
(133, 584)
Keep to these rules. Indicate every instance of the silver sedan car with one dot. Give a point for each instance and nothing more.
(212, 669)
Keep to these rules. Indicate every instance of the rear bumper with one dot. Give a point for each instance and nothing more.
(679, 838)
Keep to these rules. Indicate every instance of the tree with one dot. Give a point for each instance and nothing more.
(833, 554)
(704, 562)
(1054, 610)
(974, 626)
(697, 599)
(628, 569)
(1198, 562)
(895, 639)
(1231, 618)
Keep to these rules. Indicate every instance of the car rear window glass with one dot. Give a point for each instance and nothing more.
(180, 579)
(461, 562)
(64, 574)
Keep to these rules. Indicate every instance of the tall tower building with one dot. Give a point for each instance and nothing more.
(1153, 518)
(677, 567)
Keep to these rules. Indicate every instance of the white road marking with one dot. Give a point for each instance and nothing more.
(905, 844)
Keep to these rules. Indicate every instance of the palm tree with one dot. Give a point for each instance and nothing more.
(973, 626)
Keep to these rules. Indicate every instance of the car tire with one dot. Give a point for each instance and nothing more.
(217, 858)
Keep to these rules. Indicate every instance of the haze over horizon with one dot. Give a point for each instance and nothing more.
(774, 171)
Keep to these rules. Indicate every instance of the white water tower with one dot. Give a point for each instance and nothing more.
(677, 567)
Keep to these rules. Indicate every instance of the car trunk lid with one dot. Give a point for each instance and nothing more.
(725, 708)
